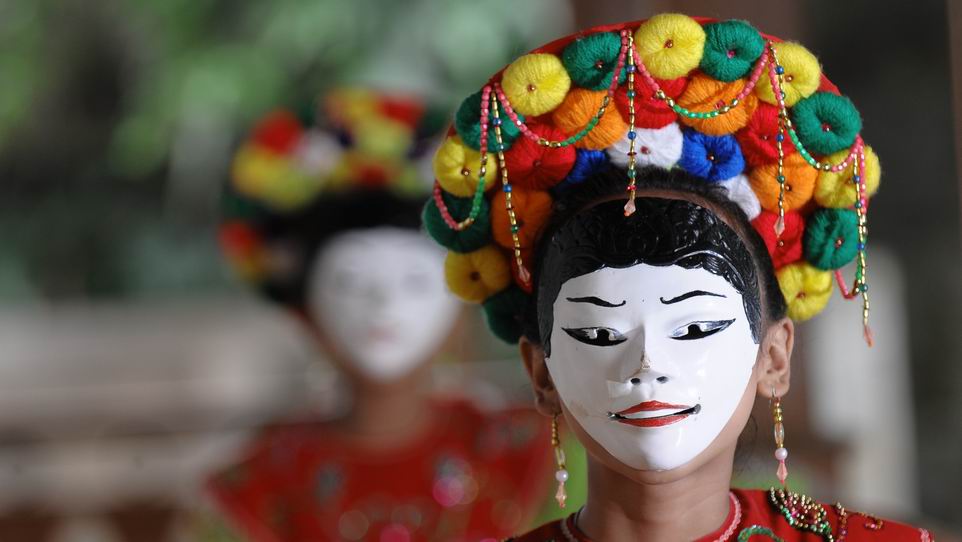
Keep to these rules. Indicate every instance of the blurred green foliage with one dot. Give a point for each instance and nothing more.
(118, 117)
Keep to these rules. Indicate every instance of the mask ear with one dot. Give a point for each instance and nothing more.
(546, 398)
(774, 358)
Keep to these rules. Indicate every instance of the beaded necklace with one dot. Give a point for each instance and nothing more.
(569, 525)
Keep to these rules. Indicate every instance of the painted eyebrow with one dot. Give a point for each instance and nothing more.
(595, 301)
(682, 297)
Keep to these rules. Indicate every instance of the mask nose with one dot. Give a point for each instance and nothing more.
(646, 373)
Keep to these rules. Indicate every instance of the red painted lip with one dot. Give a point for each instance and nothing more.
(649, 406)
(653, 422)
(682, 412)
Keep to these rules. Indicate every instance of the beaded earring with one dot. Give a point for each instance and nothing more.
(781, 453)
(561, 475)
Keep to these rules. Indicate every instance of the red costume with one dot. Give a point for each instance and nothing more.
(470, 476)
(754, 515)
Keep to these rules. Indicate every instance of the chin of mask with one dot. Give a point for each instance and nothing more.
(379, 296)
(651, 361)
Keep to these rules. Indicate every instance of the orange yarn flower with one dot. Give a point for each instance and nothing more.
(799, 183)
(532, 208)
(577, 110)
(705, 94)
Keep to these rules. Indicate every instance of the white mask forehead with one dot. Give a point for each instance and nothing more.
(652, 361)
(379, 295)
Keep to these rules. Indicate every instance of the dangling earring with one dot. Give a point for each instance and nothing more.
(561, 475)
(781, 454)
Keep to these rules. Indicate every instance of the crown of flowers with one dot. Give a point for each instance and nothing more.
(362, 140)
(716, 98)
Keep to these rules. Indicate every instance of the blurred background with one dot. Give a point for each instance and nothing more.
(132, 363)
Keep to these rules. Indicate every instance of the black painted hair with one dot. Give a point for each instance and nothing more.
(588, 231)
(301, 234)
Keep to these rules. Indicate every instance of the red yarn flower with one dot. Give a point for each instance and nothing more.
(278, 131)
(757, 139)
(650, 112)
(407, 111)
(535, 167)
(787, 248)
(238, 239)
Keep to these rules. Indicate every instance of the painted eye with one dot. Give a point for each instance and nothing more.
(596, 336)
(700, 330)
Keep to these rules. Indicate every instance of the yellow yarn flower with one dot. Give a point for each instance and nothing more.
(476, 276)
(806, 289)
(382, 137)
(456, 167)
(801, 79)
(535, 84)
(837, 189)
(670, 45)
(261, 174)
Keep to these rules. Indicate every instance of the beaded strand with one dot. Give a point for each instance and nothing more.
(523, 273)
(595, 119)
(660, 93)
(632, 188)
(482, 171)
(861, 270)
(855, 157)
(775, 73)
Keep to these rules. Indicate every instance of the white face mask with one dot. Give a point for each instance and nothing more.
(379, 295)
(655, 378)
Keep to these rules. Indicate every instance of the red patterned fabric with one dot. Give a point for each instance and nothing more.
(473, 475)
(757, 510)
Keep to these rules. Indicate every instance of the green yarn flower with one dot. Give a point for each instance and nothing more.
(472, 238)
(826, 122)
(502, 311)
(467, 125)
(731, 49)
(591, 60)
(831, 238)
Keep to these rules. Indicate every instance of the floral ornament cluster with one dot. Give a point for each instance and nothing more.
(349, 139)
(718, 99)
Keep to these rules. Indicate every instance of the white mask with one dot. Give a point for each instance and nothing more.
(379, 296)
(657, 396)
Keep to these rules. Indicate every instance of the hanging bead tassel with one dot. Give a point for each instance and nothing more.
(523, 274)
(628, 41)
(775, 72)
(861, 209)
(561, 475)
(781, 453)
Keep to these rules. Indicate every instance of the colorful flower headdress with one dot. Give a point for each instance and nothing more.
(361, 140)
(716, 98)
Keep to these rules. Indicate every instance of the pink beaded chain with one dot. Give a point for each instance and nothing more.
(482, 171)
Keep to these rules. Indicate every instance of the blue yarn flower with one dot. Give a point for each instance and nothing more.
(587, 163)
(711, 158)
